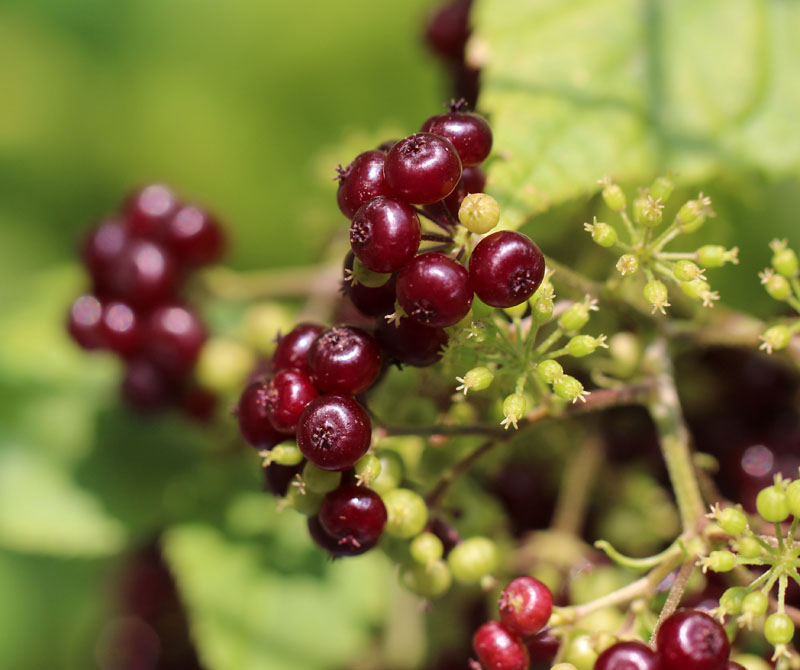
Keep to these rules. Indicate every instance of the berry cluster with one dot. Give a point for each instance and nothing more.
(137, 261)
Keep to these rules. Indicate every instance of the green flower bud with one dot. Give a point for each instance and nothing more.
(775, 338)
(543, 309)
(732, 520)
(318, 480)
(715, 256)
(429, 581)
(777, 286)
(755, 604)
(514, 408)
(732, 599)
(686, 271)
(287, 453)
(472, 559)
(477, 379)
(784, 259)
(720, 561)
(662, 188)
(627, 264)
(548, 371)
(406, 513)
(647, 212)
(479, 213)
(700, 290)
(772, 505)
(361, 274)
(569, 388)
(602, 233)
(694, 213)
(426, 548)
(655, 292)
(391, 474)
(575, 317)
(583, 345)
(305, 502)
(747, 547)
(613, 196)
(778, 629)
(368, 469)
(793, 498)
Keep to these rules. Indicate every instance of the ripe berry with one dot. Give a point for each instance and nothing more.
(411, 343)
(423, 168)
(497, 649)
(543, 647)
(173, 337)
(692, 640)
(101, 249)
(292, 349)
(254, 424)
(142, 275)
(345, 360)
(385, 234)
(506, 268)
(146, 387)
(354, 516)
(287, 395)
(434, 290)
(148, 209)
(333, 432)
(85, 324)
(448, 29)
(193, 237)
(375, 302)
(631, 655)
(121, 329)
(473, 180)
(525, 606)
(361, 181)
(469, 133)
(330, 544)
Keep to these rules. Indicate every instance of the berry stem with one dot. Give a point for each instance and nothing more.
(435, 237)
(675, 595)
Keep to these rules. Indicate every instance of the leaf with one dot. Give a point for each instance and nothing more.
(577, 89)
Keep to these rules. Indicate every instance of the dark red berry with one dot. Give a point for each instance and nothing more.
(385, 234)
(85, 322)
(411, 343)
(146, 387)
(101, 251)
(293, 347)
(329, 543)
(199, 404)
(692, 640)
(473, 180)
(631, 655)
(434, 290)
(173, 337)
(193, 237)
(469, 133)
(344, 360)
(385, 146)
(368, 300)
(354, 516)
(143, 275)
(506, 268)
(423, 168)
(448, 29)
(542, 648)
(254, 424)
(287, 395)
(498, 649)
(361, 181)
(122, 331)
(525, 606)
(333, 432)
(148, 209)
(278, 478)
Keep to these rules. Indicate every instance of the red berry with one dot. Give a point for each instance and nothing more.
(354, 516)
(628, 656)
(497, 649)
(333, 432)
(344, 360)
(411, 343)
(101, 250)
(434, 290)
(473, 180)
(148, 209)
(254, 424)
(448, 29)
(506, 268)
(173, 337)
(199, 404)
(692, 640)
(142, 276)
(543, 647)
(293, 347)
(423, 168)
(525, 606)
(121, 329)
(329, 543)
(361, 181)
(278, 478)
(287, 395)
(193, 237)
(146, 387)
(469, 133)
(368, 300)
(85, 322)
(385, 234)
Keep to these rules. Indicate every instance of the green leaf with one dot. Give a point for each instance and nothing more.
(577, 89)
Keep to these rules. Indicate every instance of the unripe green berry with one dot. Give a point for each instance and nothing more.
(602, 234)
(391, 474)
(429, 581)
(793, 498)
(363, 275)
(548, 371)
(368, 469)
(778, 629)
(426, 548)
(568, 388)
(647, 212)
(543, 309)
(772, 505)
(655, 292)
(318, 480)
(614, 197)
(476, 379)
(692, 215)
(755, 604)
(752, 662)
(721, 561)
(747, 547)
(514, 408)
(479, 213)
(732, 599)
(732, 520)
(406, 513)
(262, 323)
(662, 188)
(686, 270)
(307, 503)
(583, 345)
(574, 317)
(785, 262)
(776, 338)
(223, 364)
(581, 652)
(472, 559)
(627, 264)
(287, 453)
(778, 287)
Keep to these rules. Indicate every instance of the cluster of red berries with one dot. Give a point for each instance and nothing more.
(137, 261)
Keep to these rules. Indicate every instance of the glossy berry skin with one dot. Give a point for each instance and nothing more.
(254, 424)
(362, 181)
(333, 432)
(85, 322)
(473, 180)
(193, 237)
(434, 290)
(423, 168)
(469, 133)
(498, 649)
(142, 276)
(525, 606)
(344, 360)
(173, 336)
(329, 543)
(293, 347)
(411, 343)
(146, 387)
(101, 250)
(148, 209)
(121, 329)
(631, 655)
(354, 516)
(692, 640)
(287, 395)
(506, 268)
(385, 234)
(543, 647)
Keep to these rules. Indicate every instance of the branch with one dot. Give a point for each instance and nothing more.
(294, 282)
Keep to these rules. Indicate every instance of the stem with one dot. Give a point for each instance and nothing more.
(295, 282)
(435, 237)
(579, 477)
(435, 496)
(675, 595)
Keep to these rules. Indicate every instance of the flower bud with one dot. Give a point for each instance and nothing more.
(569, 388)
(687, 271)
(627, 264)
(548, 371)
(583, 345)
(647, 212)
(662, 188)
(613, 196)
(514, 408)
(775, 338)
(655, 292)
(477, 379)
